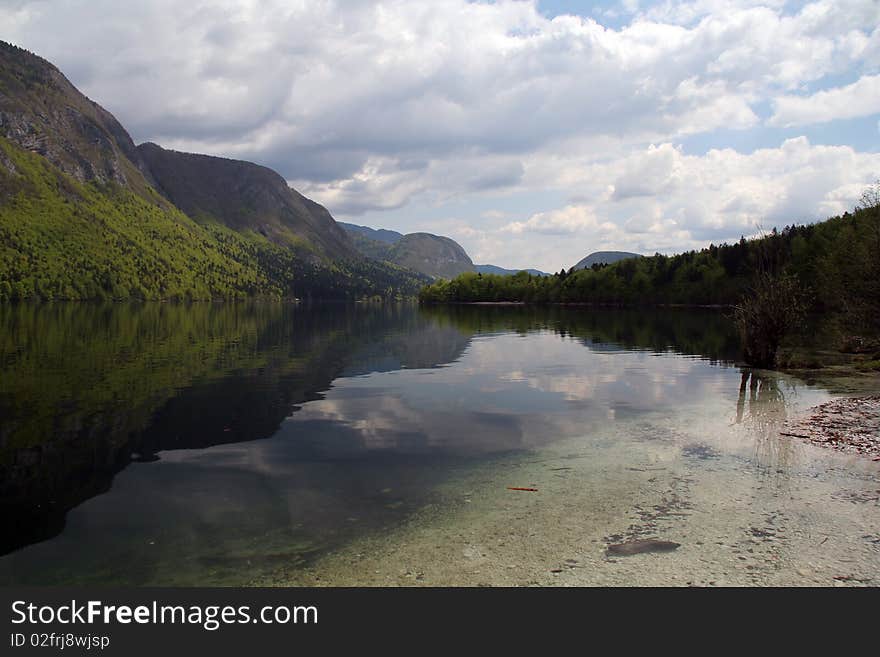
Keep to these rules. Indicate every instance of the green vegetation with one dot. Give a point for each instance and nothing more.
(370, 247)
(64, 239)
(834, 264)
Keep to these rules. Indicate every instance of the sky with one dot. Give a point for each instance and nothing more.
(531, 132)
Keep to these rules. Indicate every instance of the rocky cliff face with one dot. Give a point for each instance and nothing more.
(433, 255)
(42, 112)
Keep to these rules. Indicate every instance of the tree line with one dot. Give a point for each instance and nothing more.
(832, 266)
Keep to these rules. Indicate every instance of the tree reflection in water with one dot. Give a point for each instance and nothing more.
(761, 405)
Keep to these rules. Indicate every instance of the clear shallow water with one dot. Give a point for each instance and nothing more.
(228, 444)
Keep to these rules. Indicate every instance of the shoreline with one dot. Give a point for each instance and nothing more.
(584, 304)
(846, 424)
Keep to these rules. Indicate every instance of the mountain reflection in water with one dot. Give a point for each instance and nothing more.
(162, 407)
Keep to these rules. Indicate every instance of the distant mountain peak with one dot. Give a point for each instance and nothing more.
(433, 255)
(604, 258)
(426, 253)
(502, 271)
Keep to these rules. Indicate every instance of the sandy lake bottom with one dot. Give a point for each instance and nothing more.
(747, 506)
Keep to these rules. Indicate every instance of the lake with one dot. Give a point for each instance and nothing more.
(264, 443)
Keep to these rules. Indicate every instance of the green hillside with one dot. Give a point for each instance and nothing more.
(65, 239)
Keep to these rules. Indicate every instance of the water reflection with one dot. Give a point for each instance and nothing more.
(165, 409)
(766, 401)
(88, 389)
(763, 405)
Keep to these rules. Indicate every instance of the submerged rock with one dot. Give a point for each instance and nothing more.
(642, 545)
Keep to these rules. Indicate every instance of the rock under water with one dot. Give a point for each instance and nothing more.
(640, 546)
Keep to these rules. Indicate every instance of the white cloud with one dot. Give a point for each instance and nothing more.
(688, 201)
(654, 172)
(303, 85)
(388, 182)
(861, 98)
(568, 220)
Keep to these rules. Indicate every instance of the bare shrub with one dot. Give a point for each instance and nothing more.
(771, 308)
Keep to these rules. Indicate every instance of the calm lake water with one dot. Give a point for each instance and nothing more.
(223, 444)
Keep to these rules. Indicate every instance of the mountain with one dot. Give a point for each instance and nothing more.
(42, 112)
(375, 234)
(433, 255)
(244, 197)
(86, 214)
(372, 243)
(426, 253)
(501, 271)
(604, 258)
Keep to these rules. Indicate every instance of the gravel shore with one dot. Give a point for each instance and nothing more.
(850, 424)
